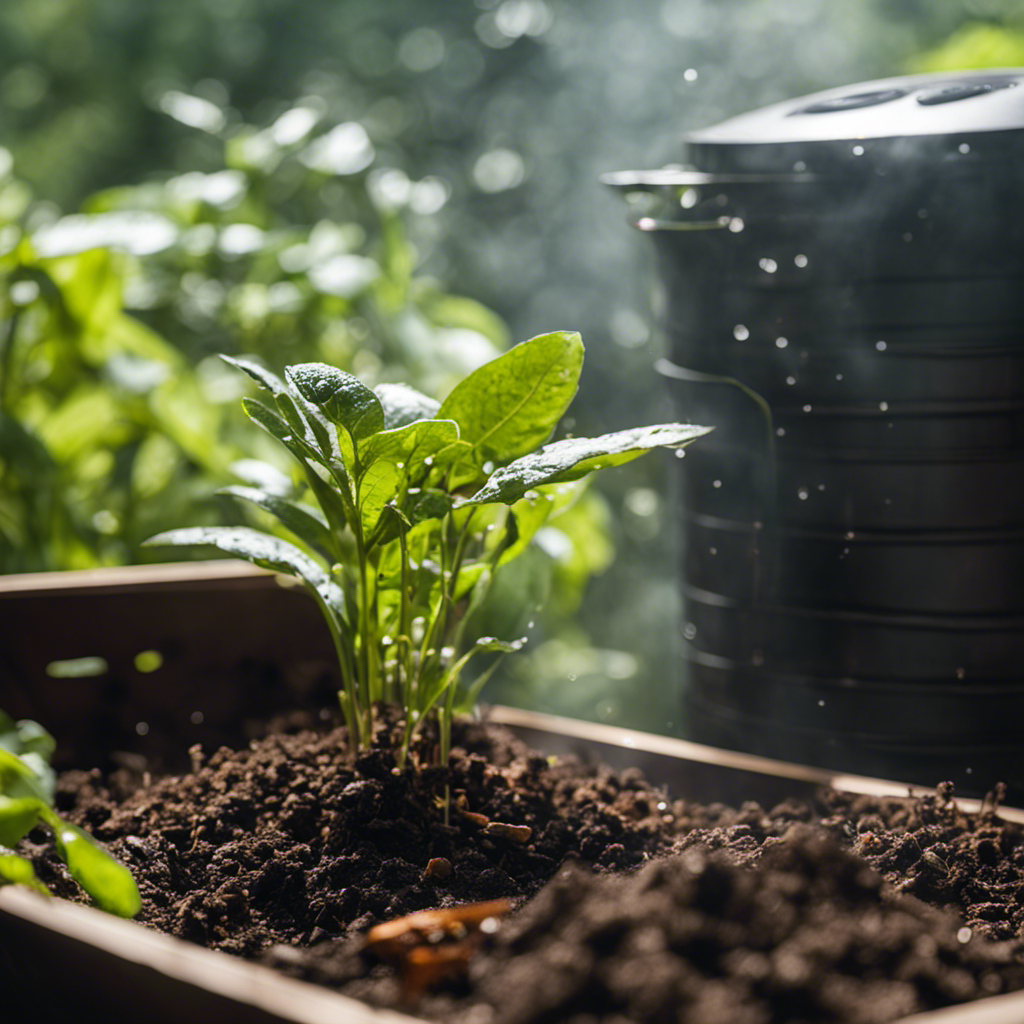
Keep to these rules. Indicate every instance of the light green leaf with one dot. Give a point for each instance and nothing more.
(377, 487)
(576, 456)
(511, 404)
(403, 405)
(259, 548)
(410, 444)
(305, 521)
(18, 817)
(16, 870)
(25, 737)
(343, 398)
(109, 883)
(19, 778)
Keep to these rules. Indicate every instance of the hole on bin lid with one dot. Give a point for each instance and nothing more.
(852, 101)
(957, 91)
(76, 668)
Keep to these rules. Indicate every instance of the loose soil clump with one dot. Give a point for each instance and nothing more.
(627, 906)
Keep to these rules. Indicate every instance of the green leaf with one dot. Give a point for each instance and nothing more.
(343, 398)
(377, 487)
(26, 737)
(576, 456)
(295, 440)
(27, 776)
(411, 444)
(18, 817)
(403, 405)
(264, 377)
(305, 521)
(309, 421)
(429, 503)
(109, 883)
(259, 548)
(511, 404)
(16, 870)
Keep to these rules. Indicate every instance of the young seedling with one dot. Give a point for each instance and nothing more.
(415, 506)
(26, 800)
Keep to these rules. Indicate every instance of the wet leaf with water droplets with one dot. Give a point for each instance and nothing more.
(575, 457)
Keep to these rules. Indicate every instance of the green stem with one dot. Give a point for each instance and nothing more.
(403, 656)
(347, 697)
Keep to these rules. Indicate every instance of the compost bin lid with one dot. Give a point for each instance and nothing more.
(944, 116)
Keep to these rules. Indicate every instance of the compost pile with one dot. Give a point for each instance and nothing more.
(628, 906)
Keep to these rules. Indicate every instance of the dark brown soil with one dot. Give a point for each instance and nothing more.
(643, 909)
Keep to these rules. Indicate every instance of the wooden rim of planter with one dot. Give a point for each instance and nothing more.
(278, 996)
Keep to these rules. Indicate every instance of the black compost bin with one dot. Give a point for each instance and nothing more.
(844, 299)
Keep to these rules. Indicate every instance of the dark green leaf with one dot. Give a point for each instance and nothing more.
(511, 404)
(576, 456)
(264, 377)
(344, 399)
(307, 419)
(306, 522)
(109, 883)
(297, 438)
(262, 550)
(429, 503)
(403, 405)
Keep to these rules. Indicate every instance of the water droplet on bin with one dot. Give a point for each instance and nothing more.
(740, 333)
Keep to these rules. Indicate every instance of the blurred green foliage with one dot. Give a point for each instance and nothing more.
(976, 44)
(100, 428)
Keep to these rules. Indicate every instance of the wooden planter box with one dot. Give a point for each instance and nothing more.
(220, 630)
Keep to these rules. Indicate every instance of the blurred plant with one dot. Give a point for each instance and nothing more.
(103, 432)
(976, 44)
(27, 785)
(293, 243)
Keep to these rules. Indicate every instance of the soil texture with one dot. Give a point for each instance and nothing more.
(628, 906)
